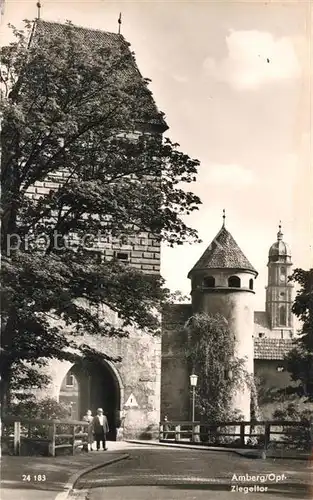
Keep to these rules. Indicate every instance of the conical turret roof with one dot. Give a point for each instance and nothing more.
(223, 253)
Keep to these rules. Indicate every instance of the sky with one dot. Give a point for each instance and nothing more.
(234, 80)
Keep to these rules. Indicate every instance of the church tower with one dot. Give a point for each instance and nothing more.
(222, 281)
(279, 289)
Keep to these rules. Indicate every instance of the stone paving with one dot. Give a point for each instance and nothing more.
(29, 478)
(51, 478)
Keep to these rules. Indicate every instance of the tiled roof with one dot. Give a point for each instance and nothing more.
(92, 38)
(272, 348)
(223, 253)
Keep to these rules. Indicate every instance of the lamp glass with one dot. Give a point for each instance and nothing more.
(193, 380)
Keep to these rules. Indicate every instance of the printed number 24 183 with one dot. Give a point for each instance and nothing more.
(36, 478)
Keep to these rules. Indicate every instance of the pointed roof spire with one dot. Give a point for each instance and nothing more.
(119, 23)
(223, 253)
(224, 217)
(38, 5)
(279, 234)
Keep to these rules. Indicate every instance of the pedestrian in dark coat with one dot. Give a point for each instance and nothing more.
(100, 428)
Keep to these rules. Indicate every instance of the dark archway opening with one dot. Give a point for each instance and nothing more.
(96, 387)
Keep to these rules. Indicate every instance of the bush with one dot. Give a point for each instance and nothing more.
(47, 408)
(44, 409)
(298, 437)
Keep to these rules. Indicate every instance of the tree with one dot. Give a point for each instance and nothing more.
(69, 106)
(210, 351)
(300, 358)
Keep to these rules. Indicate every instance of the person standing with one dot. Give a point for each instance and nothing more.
(89, 418)
(100, 428)
(166, 427)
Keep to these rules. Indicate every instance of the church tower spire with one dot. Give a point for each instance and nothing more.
(279, 289)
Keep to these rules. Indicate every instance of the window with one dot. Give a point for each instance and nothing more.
(283, 270)
(251, 284)
(261, 335)
(69, 379)
(282, 315)
(209, 281)
(234, 282)
(123, 256)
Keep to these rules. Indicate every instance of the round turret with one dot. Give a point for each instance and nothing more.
(222, 282)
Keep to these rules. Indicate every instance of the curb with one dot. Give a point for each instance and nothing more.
(248, 453)
(185, 446)
(70, 485)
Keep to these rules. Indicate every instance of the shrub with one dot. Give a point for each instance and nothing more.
(46, 408)
(43, 409)
(298, 437)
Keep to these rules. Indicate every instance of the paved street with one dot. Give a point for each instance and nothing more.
(43, 478)
(167, 474)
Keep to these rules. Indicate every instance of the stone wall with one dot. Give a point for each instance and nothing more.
(175, 399)
(269, 372)
(137, 375)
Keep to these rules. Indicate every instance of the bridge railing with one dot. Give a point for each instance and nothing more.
(260, 434)
(51, 435)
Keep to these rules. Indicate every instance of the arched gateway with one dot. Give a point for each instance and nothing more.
(90, 385)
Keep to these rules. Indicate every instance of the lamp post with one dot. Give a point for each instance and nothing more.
(193, 383)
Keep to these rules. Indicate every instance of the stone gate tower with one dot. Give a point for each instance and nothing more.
(222, 282)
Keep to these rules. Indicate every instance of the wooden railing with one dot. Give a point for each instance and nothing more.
(52, 434)
(239, 434)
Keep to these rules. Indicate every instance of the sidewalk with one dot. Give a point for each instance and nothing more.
(245, 452)
(46, 478)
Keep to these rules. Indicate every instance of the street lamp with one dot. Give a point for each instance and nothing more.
(193, 383)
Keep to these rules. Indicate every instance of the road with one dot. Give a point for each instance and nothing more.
(168, 474)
